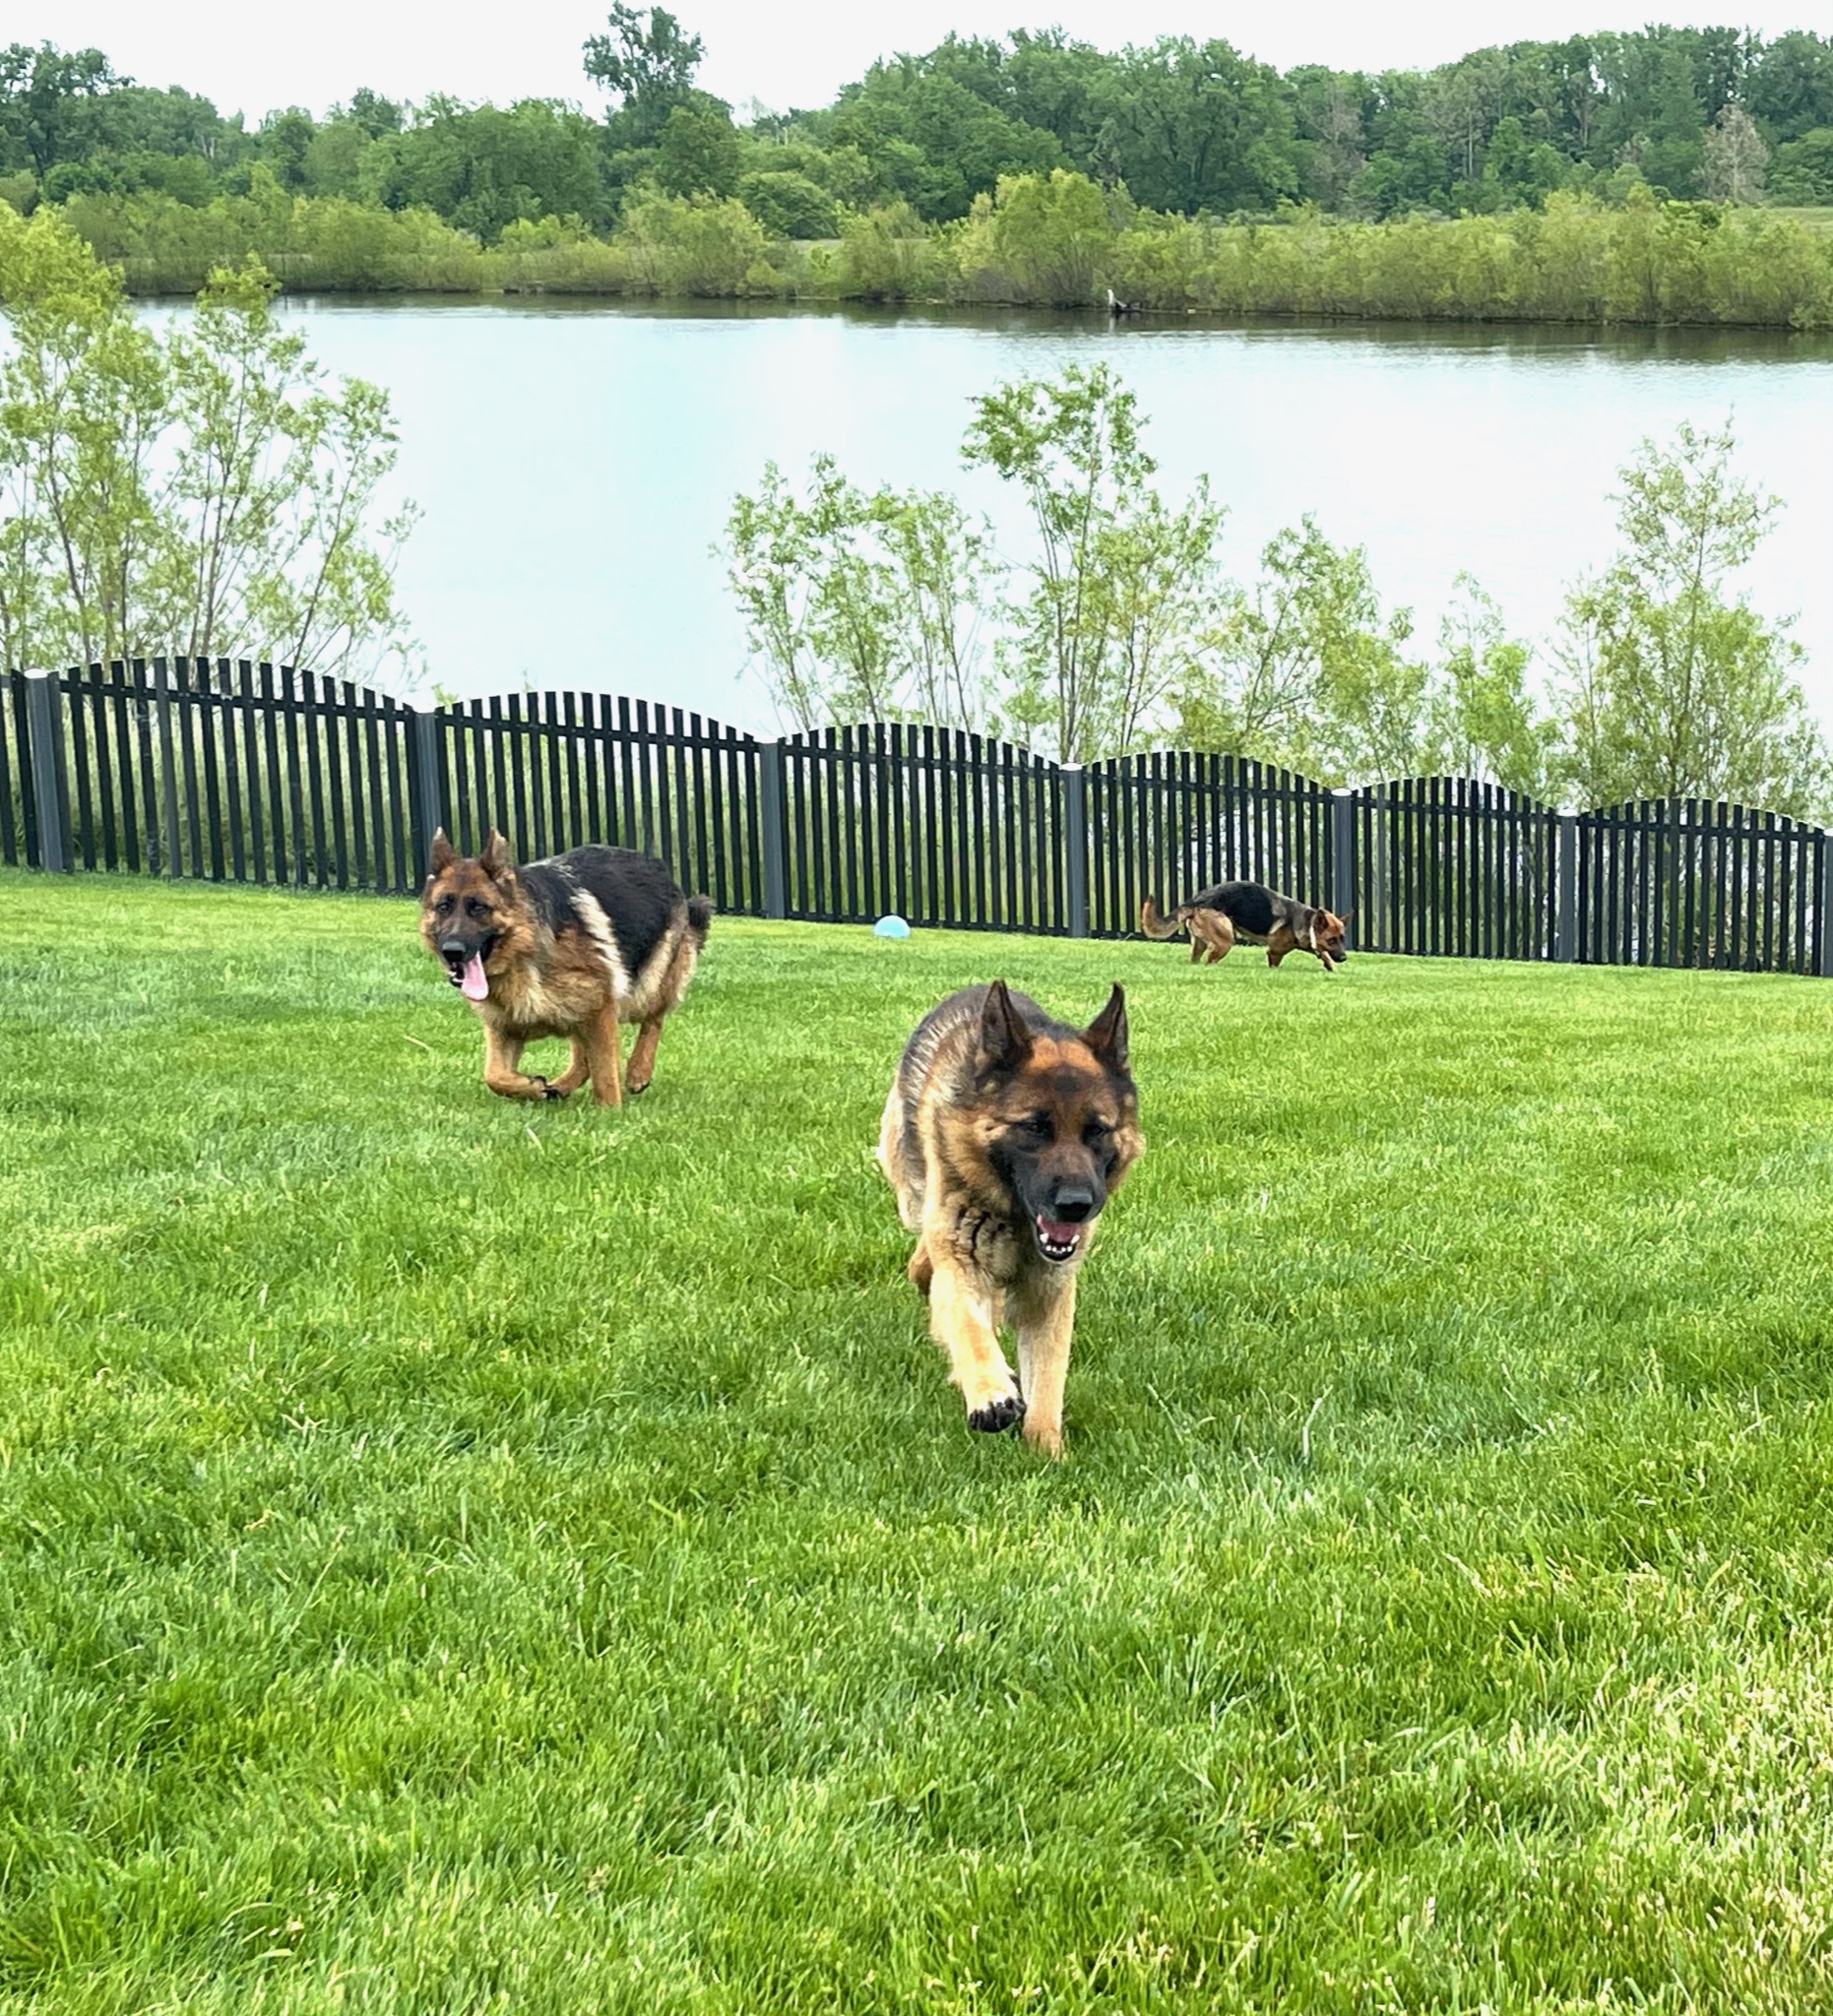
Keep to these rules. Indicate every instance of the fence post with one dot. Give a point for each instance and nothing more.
(1343, 860)
(1824, 904)
(427, 795)
(1565, 915)
(50, 779)
(1076, 846)
(773, 825)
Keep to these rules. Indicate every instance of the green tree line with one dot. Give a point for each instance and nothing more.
(1029, 168)
(1189, 127)
(1118, 629)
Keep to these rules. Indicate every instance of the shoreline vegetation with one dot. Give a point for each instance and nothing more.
(1672, 176)
(1046, 240)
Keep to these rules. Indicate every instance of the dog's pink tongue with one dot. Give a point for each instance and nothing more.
(1059, 1231)
(473, 986)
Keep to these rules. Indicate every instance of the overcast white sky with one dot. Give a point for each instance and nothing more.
(253, 58)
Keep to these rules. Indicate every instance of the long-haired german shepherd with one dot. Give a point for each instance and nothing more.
(567, 947)
(1256, 915)
(1004, 1134)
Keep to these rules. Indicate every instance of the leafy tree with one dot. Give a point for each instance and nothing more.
(861, 606)
(937, 129)
(1669, 686)
(1330, 125)
(1803, 169)
(1788, 87)
(698, 152)
(48, 100)
(647, 62)
(1117, 578)
(1302, 669)
(1197, 126)
(483, 167)
(1734, 156)
(788, 205)
(284, 139)
(1481, 718)
(199, 490)
(1462, 100)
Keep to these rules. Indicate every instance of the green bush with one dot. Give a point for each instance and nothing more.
(1045, 239)
(888, 254)
(1801, 170)
(694, 245)
(788, 205)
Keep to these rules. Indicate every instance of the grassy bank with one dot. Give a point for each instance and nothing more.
(1055, 240)
(463, 1556)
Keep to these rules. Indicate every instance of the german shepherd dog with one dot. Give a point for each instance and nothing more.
(568, 946)
(1254, 914)
(1003, 1135)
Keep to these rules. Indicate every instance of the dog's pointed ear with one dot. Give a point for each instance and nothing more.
(1105, 1036)
(1005, 1042)
(494, 859)
(442, 853)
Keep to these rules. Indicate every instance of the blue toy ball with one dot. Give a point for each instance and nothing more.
(891, 928)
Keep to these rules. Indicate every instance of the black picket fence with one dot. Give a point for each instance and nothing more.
(235, 772)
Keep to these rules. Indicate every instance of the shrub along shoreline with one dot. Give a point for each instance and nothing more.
(1055, 240)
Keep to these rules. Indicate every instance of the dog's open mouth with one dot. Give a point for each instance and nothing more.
(1057, 1239)
(464, 970)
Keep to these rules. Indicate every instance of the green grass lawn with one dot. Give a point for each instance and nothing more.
(463, 1556)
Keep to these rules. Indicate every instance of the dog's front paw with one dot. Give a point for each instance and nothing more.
(996, 1415)
(1046, 1437)
(550, 1091)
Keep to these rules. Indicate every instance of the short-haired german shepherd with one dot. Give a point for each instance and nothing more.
(569, 947)
(1004, 1134)
(1256, 915)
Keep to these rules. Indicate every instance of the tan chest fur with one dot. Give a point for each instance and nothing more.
(553, 998)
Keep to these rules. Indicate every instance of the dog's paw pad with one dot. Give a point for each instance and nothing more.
(997, 1415)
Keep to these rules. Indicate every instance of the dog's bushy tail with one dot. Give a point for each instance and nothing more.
(1156, 927)
(699, 916)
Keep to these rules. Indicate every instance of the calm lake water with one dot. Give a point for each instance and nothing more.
(575, 463)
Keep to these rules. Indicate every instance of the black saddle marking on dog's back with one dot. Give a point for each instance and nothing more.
(636, 893)
(1249, 906)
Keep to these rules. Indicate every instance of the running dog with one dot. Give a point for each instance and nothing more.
(1003, 1136)
(568, 946)
(1253, 914)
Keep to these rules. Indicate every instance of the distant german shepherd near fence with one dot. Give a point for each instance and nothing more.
(1254, 914)
(1003, 1136)
(572, 947)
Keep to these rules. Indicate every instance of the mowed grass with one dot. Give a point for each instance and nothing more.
(460, 1556)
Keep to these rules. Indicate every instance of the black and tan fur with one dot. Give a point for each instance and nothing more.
(1252, 913)
(1003, 1136)
(569, 947)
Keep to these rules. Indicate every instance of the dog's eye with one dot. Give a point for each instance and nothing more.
(442, 905)
(1036, 1125)
(478, 907)
(1096, 1132)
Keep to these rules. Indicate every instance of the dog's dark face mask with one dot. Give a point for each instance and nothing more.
(460, 911)
(1062, 1119)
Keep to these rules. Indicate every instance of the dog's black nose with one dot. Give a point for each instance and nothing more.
(453, 948)
(1073, 1204)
